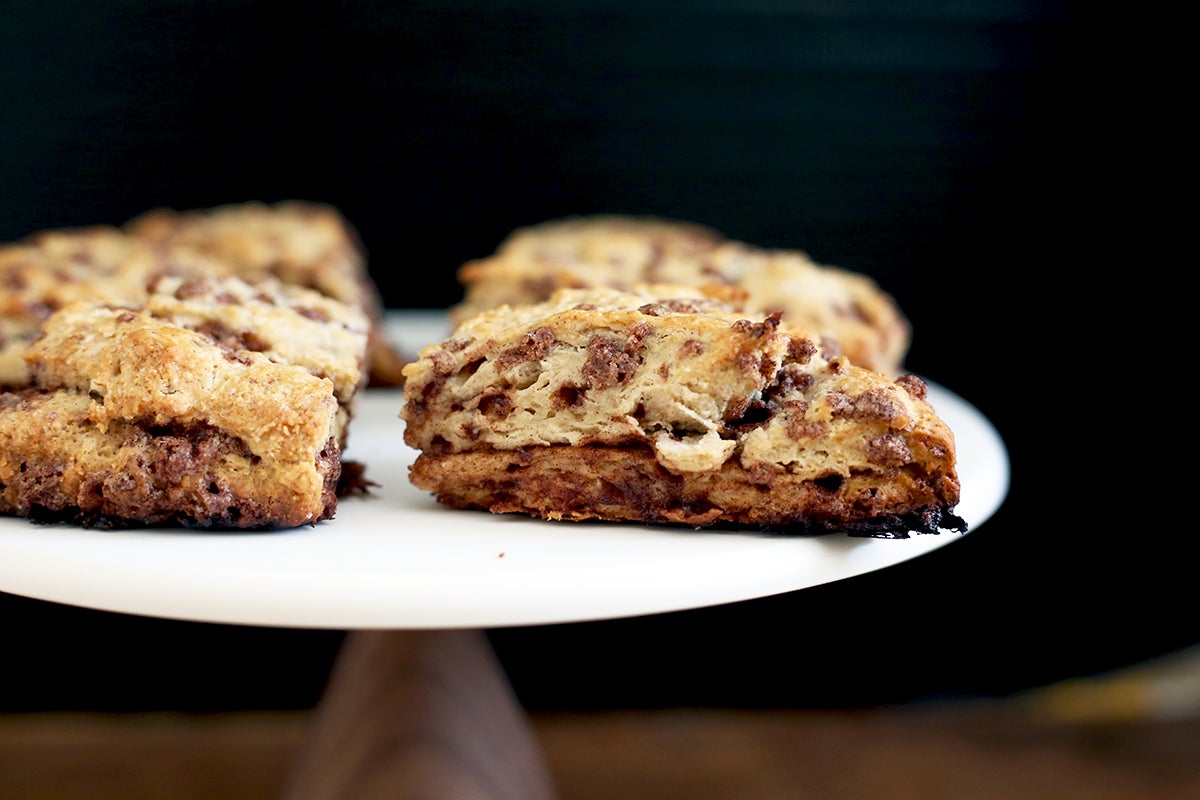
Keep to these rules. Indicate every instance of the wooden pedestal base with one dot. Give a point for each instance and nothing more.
(423, 714)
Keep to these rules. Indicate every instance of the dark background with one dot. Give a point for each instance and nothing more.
(934, 146)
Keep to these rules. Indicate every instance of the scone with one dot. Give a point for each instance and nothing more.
(216, 403)
(665, 406)
(300, 242)
(620, 251)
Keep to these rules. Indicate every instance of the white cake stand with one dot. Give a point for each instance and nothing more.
(417, 583)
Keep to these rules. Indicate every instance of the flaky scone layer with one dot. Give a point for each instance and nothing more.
(621, 251)
(663, 405)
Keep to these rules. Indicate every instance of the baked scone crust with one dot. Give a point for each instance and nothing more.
(622, 251)
(665, 406)
(213, 403)
(295, 243)
(613, 250)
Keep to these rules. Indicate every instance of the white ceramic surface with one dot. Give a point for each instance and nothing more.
(395, 559)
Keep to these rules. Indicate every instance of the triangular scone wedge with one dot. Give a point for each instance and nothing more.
(621, 251)
(662, 406)
(216, 403)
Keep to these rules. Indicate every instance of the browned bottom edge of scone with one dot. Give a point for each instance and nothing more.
(627, 484)
(178, 481)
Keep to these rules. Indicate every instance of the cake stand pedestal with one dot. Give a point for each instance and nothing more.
(419, 715)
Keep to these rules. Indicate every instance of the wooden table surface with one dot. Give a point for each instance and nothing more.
(1132, 736)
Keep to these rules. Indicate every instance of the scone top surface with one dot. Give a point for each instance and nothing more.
(608, 250)
(50, 269)
(701, 390)
(300, 242)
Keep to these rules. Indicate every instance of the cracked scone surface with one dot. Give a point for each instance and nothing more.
(302, 243)
(665, 406)
(623, 251)
(296, 243)
(215, 403)
(50, 269)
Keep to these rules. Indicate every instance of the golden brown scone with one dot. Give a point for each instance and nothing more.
(665, 406)
(620, 251)
(214, 403)
(300, 242)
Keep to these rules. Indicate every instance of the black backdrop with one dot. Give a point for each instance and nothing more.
(931, 145)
